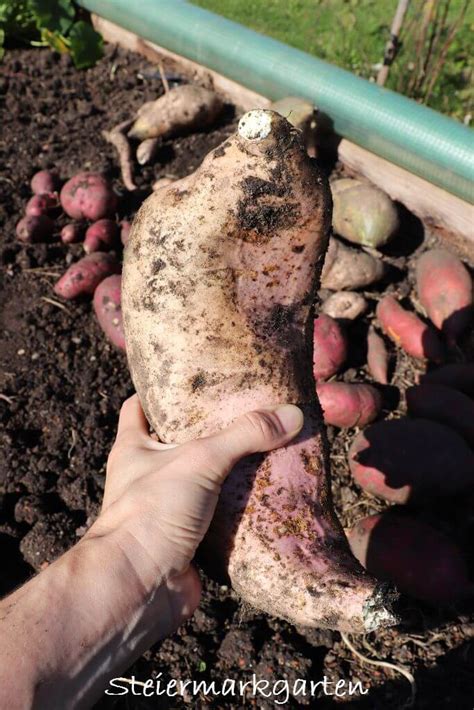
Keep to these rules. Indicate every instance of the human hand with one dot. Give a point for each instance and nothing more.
(159, 498)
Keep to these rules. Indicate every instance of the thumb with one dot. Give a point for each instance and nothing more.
(258, 431)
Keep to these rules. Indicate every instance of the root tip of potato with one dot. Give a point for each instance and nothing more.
(378, 612)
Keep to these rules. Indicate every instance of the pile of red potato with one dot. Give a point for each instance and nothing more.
(414, 459)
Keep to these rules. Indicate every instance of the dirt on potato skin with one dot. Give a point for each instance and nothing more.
(62, 386)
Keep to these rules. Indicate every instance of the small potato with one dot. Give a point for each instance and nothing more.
(42, 204)
(444, 288)
(412, 555)
(377, 357)
(34, 228)
(101, 236)
(445, 405)
(329, 347)
(408, 331)
(345, 305)
(71, 233)
(459, 376)
(88, 196)
(125, 227)
(108, 309)
(45, 181)
(349, 405)
(83, 277)
(347, 269)
(411, 459)
(362, 213)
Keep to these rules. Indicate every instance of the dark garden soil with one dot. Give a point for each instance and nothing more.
(62, 386)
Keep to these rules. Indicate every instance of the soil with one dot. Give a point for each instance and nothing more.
(61, 389)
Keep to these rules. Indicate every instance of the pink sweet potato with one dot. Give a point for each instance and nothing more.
(445, 405)
(108, 309)
(83, 277)
(218, 324)
(408, 331)
(330, 347)
(34, 228)
(42, 204)
(411, 459)
(444, 288)
(71, 233)
(88, 196)
(417, 558)
(377, 357)
(348, 405)
(101, 236)
(45, 181)
(459, 376)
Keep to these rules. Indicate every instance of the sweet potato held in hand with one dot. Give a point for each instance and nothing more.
(218, 284)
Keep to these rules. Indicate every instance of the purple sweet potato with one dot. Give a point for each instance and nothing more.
(218, 324)
(411, 459)
(444, 288)
(101, 236)
(417, 558)
(72, 233)
(45, 181)
(458, 375)
(83, 277)
(34, 228)
(330, 347)
(377, 357)
(42, 204)
(88, 196)
(445, 405)
(408, 331)
(108, 309)
(349, 405)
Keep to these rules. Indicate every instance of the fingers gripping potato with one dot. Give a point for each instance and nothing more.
(218, 283)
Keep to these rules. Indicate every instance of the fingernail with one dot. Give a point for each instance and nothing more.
(291, 418)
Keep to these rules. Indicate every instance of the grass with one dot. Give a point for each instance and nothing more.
(352, 34)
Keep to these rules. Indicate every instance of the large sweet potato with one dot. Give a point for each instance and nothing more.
(218, 282)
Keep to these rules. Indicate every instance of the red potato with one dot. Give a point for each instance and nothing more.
(411, 459)
(108, 309)
(408, 331)
(101, 236)
(88, 196)
(349, 405)
(71, 233)
(459, 376)
(444, 288)
(445, 405)
(377, 357)
(45, 181)
(42, 204)
(125, 228)
(34, 228)
(417, 558)
(218, 324)
(330, 347)
(83, 277)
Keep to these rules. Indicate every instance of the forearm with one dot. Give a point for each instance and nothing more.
(79, 622)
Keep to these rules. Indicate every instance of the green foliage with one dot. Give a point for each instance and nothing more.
(53, 23)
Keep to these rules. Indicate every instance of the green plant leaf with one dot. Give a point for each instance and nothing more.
(54, 15)
(55, 41)
(85, 45)
(2, 40)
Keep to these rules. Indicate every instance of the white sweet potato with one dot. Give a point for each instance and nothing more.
(346, 269)
(345, 305)
(183, 109)
(218, 278)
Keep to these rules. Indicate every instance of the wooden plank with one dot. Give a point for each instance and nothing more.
(438, 209)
